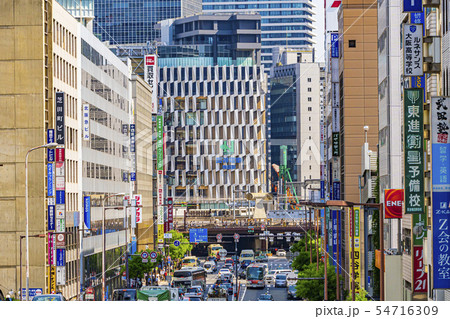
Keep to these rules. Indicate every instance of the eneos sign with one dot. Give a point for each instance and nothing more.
(393, 201)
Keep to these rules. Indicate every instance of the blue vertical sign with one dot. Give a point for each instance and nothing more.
(50, 136)
(335, 45)
(322, 189)
(334, 217)
(60, 257)
(51, 217)
(340, 238)
(87, 211)
(60, 197)
(412, 6)
(50, 179)
(336, 190)
(440, 129)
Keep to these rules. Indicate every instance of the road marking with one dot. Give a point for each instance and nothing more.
(245, 290)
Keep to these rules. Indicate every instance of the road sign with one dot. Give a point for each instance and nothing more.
(89, 293)
(31, 292)
(223, 252)
(144, 255)
(153, 255)
(236, 236)
(219, 237)
(176, 243)
(251, 229)
(198, 235)
(168, 235)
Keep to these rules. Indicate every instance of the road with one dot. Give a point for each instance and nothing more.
(279, 294)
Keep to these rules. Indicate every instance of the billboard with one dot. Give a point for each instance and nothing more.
(59, 117)
(393, 203)
(87, 211)
(150, 73)
(440, 125)
(335, 45)
(86, 122)
(336, 144)
(413, 150)
(357, 252)
(412, 49)
(412, 5)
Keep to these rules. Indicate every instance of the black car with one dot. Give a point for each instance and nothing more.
(212, 258)
(124, 295)
(292, 293)
(245, 263)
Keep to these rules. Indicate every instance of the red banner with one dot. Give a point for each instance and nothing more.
(393, 203)
(419, 275)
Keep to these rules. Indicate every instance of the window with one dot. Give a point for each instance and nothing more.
(309, 79)
(310, 99)
(309, 89)
(309, 109)
(352, 43)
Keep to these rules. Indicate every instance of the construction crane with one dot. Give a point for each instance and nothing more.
(284, 176)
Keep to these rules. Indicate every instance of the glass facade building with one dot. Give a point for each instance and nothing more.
(283, 23)
(133, 21)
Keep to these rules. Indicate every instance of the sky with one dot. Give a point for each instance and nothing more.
(319, 29)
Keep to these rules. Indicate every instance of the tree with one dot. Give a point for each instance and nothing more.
(136, 268)
(359, 297)
(179, 252)
(313, 290)
(303, 259)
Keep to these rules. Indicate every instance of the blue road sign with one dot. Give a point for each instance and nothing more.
(31, 292)
(176, 243)
(412, 5)
(198, 235)
(153, 255)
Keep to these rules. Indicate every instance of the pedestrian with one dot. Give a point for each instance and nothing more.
(157, 280)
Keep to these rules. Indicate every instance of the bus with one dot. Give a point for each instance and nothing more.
(190, 261)
(255, 275)
(213, 249)
(247, 254)
(189, 277)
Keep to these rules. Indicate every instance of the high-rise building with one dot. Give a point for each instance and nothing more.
(133, 21)
(212, 87)
(295, 117)
(287, 24)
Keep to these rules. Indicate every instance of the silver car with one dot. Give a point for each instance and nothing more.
(281, 280)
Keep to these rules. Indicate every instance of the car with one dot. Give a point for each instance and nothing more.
(51, 297)
(225, 273)
(281, 280)
(195, 299)
(228, 286)
(292, 293)
(212, 258)
(124, 295)
(281, 253)
(265, 297)
(242, 274)
(210, 267)
(228, 266)
(229, 261)
(245, 263)
(195, 291)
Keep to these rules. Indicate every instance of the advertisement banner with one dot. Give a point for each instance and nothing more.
(60, 240)
(50, 154)
(393, 202)
(336, 190)
(412, 49)
(413, 150)
(60, 197)
(87, 211)
(335, 119)
(51, 249)
(322, 189)
(60, 257)
(59, 167)
(60, 183)
(50, 136)
(60, 154)
(51, 217)
(60, 211)
(150, 77)
(170, 212)
(334, 231)
(60, 225)
(138, 215)
(50, 179)
(59, 118)
(336, 144)
(440, 124)
(52, 279)
(132, 138)
(60, 276)
(412, 5)
(419, 226)
(357, 258)
(335, 45)
(419, 274)
(86, 122)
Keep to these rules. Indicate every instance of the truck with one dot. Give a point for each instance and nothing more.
(217, 293)
(153, 295)
(172, 291)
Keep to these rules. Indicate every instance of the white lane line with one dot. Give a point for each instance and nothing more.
(243, 295)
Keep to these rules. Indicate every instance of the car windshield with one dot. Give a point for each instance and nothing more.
(255, 273)
(281, 276)
(292, 288)
(194, 299)
(247, 255)
(188, 261)
(47, 298)
(272, 272)
(207, 265)
(182, 274)
(224, 270)
(194, 290)
(265, 297)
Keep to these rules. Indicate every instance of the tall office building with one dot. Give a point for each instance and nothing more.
(212, 86)
(296, 115)
(286, 24)
(133, 21)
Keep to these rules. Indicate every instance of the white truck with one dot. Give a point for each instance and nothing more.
(217, 293)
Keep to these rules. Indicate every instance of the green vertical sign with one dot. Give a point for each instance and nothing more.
(413, 150)
(335, 144)
(419, 229)
(159, 143)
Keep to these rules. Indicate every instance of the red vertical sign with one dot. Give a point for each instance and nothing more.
(419, 275)
(170, 212)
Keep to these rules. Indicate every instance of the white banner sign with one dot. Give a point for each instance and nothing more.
(86, 122)
(60, 183)
(413, 49)
(150, 77)
(336, 119)
(60, 211)
(440, 119)
(60, 275)
(59, 168)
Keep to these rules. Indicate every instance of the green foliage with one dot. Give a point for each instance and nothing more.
(313, 290)
(358, 297)
(137, 268)
(303, 259)
(180, 251)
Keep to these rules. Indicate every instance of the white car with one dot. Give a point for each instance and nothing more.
(281, 253)
(195, 291)
(225, 273)
(270, 276)
(209, 267)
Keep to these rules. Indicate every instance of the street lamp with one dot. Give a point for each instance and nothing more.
(49, 145)
(20, 254)
(103, 241)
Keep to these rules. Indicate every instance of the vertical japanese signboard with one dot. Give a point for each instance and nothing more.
(412, 5)
(440, 126)
(413, 150)
(86, 122)
(170, 212)
(150, 77)
(335, 143)
(419, 227)
(334, 234)
(413, 49)
(356, 253)
(59, 131)
(160, 169)
(87, 211)
(335, 45)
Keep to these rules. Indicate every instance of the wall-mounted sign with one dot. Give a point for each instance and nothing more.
(393, 202)
(150, 77)
(413, 49)
(59, 118)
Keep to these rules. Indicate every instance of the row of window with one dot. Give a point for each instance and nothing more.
(256, 6)
(99, 171)
(101, 144)
(199, 88)
(64, 71)
(96, 86)
(106, 119)
(289, 35)
(71, 201)
(71, 170)
(64, 38)
(95, 57)
(71, 138)
(215, 73)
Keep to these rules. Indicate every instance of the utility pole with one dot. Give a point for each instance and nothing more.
(325, 294)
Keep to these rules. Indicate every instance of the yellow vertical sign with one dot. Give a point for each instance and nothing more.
(357, 257)
(51, 279)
